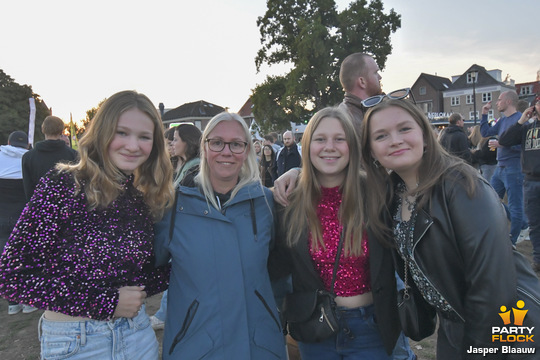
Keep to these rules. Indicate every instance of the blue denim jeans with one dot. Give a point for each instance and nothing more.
(487, 171)
(121, 339)
(531, 190)
(161, 314)
(358, 338)
(509, 179)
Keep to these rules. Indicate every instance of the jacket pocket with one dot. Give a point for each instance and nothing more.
(188, 319)
(268, 308)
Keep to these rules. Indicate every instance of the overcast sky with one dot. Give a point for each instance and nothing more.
(74, 54)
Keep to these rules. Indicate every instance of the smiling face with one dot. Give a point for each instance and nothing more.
(132, 143)
(329, 152)
(396, 141)
(225, 165)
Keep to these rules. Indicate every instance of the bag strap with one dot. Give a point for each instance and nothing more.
(405, 271)
(336, 263)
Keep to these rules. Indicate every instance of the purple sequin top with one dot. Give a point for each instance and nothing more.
(64, 258)
(353, 276)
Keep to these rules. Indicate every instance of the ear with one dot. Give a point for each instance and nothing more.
(361, 81)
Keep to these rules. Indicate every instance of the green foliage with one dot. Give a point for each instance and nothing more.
(313, 37)
(89, 116)
(15, 108)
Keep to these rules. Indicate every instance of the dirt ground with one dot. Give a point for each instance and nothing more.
(19, 337)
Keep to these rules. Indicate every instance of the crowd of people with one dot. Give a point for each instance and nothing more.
(235, 230)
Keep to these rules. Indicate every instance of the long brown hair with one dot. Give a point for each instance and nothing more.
(301, 214)
(103, 180)
(436, 165)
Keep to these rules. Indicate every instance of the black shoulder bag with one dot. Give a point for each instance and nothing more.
(311, 315)
(416, 316)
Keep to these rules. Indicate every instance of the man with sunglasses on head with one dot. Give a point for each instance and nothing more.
(360, 79)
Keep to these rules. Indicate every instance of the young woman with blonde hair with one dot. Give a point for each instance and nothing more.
(82, 249)
(328, 204)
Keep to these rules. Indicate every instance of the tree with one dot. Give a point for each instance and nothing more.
(15, 108)
(313, 37)
(89, 116)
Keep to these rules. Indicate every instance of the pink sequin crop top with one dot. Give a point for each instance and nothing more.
(353, 276)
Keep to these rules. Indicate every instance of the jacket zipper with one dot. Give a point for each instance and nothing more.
(192, 310)
(425, 276)
(323, 315)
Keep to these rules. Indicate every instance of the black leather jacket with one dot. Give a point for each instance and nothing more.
(298, 262)
(463, 248)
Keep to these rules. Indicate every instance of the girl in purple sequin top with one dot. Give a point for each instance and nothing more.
(82, 248)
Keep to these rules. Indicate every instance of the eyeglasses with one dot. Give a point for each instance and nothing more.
(396, 95)
(236, 147)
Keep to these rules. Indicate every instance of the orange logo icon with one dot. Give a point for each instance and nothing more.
(519, 314)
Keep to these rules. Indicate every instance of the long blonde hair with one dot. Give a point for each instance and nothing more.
(249, 173)
(301, 214)
(476, 138)
(103, 180)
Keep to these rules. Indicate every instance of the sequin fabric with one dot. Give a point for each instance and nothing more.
(404, 236)
(64, 258)
(353, 276)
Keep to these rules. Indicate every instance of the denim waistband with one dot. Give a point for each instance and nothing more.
(90, 326)
(361, 312)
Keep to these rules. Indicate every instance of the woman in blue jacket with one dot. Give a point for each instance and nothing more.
(218, 236)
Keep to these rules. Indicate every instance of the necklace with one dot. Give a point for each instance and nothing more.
(411, 204)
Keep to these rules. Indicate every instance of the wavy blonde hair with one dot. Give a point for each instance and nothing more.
(249, 172)
(301, 214)
(103, 180)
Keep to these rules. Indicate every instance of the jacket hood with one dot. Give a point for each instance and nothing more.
(50, 145)
(453, 129)
(13, 151)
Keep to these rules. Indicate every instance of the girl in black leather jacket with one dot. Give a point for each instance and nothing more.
(445, 222)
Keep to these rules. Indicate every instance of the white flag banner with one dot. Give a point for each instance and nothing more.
(32, 122)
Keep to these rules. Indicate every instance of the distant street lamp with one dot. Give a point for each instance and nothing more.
(473, 75)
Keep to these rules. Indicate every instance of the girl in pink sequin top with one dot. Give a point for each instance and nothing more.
(328, 204)
(82, 249)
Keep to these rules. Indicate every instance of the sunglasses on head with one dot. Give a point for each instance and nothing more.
(396, 95)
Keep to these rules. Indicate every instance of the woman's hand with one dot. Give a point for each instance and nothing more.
(284, 185)
(130, 300)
